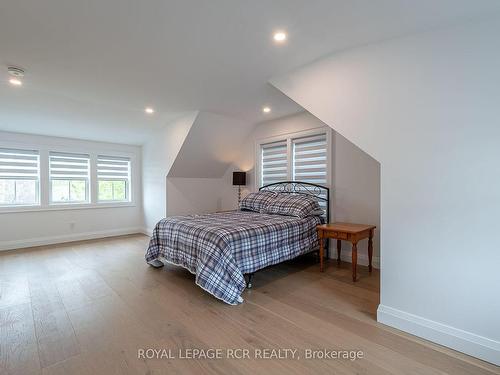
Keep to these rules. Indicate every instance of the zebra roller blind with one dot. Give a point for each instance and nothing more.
(310, 159)
(274, 162)
(113, 168)
(68, 166)
(19, 177)
(19, 164)
(113, 176)
(69, 177)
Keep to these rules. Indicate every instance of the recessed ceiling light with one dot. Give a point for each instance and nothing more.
(266, 109)
(15, 82)
(279, 36)
(149, 110)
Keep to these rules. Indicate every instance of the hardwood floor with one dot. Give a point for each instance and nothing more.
(88, 307)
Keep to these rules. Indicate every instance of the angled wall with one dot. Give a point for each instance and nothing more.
(194, 195)
(158, 155)
(212, 143)
(426, 107)
(195, 182)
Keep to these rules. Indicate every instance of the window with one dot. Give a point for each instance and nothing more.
(35, 178)
(274, 162)
(19, 177)
(310, 158)
(113, 177)
(69, 177)
(301, 157)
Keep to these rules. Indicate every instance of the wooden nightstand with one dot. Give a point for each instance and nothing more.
(347, 232)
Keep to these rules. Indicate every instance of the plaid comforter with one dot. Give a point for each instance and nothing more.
(219, 248)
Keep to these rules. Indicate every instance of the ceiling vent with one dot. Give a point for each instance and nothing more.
(15, 71)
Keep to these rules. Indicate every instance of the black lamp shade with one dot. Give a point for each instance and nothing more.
(239, 178)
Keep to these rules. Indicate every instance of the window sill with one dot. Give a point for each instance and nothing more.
(63, 207)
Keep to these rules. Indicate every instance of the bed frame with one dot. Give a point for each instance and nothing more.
(321, 193)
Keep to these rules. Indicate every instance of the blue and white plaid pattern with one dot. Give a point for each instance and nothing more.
(219, 248)
(258, 201)
(298, 205)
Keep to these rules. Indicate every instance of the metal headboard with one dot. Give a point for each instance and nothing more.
(321, 193)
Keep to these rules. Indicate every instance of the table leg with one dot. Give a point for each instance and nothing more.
(354, 260)
(339, 249)
(370, 250)
(321, 250)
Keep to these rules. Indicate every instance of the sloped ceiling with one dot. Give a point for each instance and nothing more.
(93, 65)
(212, 143)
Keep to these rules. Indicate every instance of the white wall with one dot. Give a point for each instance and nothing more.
(184, 165)
(41, 227)
(193, 195)
(212, 143)
(159, 154)
(426, 107)
(355, 193)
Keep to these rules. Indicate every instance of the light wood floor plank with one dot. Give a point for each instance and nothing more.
(14, 289)
(88, 307)
(55, 336)
(18, 345)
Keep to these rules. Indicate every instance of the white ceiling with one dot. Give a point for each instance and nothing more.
(92, 66)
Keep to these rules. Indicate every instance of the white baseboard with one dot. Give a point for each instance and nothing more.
(147, 231)
(51, 240)
(457, 339)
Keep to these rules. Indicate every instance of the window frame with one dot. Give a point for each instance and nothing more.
(289, 138)
(69, 179)
(101, 201)
(44, 186)
(56, 203)
(16, 206)
(311, 138)
(128, 180)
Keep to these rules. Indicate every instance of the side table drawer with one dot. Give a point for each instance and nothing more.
(342, 236)
(336, 235)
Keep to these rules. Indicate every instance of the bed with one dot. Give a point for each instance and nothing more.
(221, 248)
